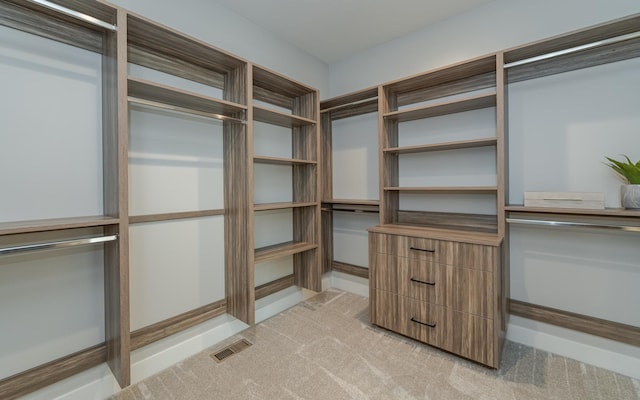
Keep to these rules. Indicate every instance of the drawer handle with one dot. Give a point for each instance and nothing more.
(419, 249)
(422, 323)
(423, 282)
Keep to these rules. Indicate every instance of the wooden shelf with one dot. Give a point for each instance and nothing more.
(277, 83)
(282, 161)
(443, 108)
(607, 212)
(489, 239)
(44, 225)
(353, 104)
(353, 202)
(182, 100)
(137, 219)
(282, 250)
(462, 144)
(282, 206)
(446, 189)
(269, 116)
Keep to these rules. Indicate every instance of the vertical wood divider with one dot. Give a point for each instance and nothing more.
(388, 163)
(116, 269)
(326, 190)
(502, 149)
(238, 199)
(307, 268)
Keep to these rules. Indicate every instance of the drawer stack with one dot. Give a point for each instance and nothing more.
(444, 293)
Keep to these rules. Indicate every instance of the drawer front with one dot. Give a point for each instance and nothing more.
(465, 255)
(464, 334)
(460, 289)
(413, 318)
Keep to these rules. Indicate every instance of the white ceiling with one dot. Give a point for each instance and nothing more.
(334, 29)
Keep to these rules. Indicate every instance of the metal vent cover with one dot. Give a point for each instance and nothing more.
(234, 348)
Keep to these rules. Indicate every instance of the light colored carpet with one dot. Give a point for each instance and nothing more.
(325, 348)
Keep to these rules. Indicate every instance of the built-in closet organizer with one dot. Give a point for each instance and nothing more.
(283, 148)
(63, 231)
(349, 180)
(137, 141)
(435, 259)
(574, 99)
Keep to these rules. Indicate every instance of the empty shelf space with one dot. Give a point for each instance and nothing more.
(352, 104)
(282, 161)
(282, 250)
(462, 144)
(443, 108)
(269, 116)
(137, 219)
(154, 94)
(445, 189)
(283, 205)
(43, 225)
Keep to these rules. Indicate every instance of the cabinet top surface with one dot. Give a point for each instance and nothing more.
(481, 238)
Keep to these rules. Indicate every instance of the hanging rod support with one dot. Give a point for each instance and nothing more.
(570, 50)
(57, 244)
(568, 224)
(171, 107)
(75, 14)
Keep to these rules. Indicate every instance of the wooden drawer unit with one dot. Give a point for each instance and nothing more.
(461, 289)
(446, 293)
(460, 333)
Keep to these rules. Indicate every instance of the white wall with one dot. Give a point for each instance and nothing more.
(496, 26)
(227, 30)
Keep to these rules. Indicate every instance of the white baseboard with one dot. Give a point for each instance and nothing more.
(350, 283)
(618, 357)
(98, 383)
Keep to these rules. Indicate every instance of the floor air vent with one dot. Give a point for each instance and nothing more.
(230, 350)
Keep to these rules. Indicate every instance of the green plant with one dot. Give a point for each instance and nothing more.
(628, 170)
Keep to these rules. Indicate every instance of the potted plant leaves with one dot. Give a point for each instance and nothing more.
(629, 172)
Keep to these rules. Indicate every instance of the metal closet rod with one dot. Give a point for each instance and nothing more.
(75, 14)
(570, 50)
(57, 244)
(170, 107)
(542, 222)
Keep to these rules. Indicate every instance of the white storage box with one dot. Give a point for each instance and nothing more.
(587, 200)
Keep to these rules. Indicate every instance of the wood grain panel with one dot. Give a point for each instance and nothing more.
(326, 157)
(275, 117)
(277, 83)
(570, 62)
(408, 317)
(138, 219)
(163, 329)
(461, 144)
(44, 225)
(607, 212)
(44, 375)
(354, 110)
(181, 98)
(459, 221)
(281, 206)
(116, 203)
(280, 250)
(582, 323)
(463, 85)
(326, 232)
(595, 33)
(277, 99)
(172, 44)
(270, 288)
(350, 269)
(461, 289)
(388, 165)
(97, 9)
(438, 234)
(444, 75)
(281, 160)
(177, 67)
(469, 336)
(238, 200)
(446, 107)
(68, 32)
(350, 98)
